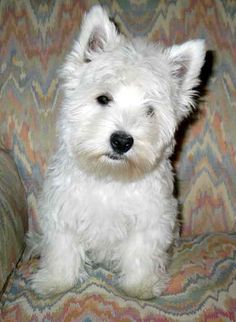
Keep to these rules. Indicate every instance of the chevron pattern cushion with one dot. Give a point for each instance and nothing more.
(202, 288)
(34, 39)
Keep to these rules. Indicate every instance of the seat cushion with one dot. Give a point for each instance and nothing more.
(35, 37)
(202, 288)
(13, 216)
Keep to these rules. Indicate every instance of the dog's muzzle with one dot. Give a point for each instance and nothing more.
(121, 142)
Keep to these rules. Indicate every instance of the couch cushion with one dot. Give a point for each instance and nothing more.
(35, 37)
(13, 216)
(202, 288)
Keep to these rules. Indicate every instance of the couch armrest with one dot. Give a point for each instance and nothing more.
(13, 216)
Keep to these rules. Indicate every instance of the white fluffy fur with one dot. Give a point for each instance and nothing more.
(118, 212)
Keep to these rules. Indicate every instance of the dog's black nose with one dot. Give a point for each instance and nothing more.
(121, 142)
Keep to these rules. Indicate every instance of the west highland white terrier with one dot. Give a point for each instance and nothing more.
(108, 193)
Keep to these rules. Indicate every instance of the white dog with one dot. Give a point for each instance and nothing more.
(108, 193)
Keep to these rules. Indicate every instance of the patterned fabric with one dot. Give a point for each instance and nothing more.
(13, 216)
(36, 35)
(202, 288)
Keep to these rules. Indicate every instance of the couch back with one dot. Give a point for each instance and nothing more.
(34, 39)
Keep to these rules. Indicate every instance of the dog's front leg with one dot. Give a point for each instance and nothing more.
(61, 263)
(143, 266)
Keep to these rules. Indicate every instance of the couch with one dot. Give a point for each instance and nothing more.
(34, 39)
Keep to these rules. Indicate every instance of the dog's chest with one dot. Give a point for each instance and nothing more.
(109, 211)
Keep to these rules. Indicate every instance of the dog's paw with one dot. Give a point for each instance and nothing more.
(45, 283)
(50, 287)
(150, 287)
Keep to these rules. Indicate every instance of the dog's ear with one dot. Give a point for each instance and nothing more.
(98, 33)
(186, 63)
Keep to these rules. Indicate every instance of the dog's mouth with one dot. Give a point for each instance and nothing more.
(115, 157)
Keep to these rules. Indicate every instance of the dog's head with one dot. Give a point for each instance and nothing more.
(124, 98)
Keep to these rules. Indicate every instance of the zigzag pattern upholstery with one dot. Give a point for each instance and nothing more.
(34, 39)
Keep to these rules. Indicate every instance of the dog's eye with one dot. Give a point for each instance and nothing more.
(150, 111)
(103, 99)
